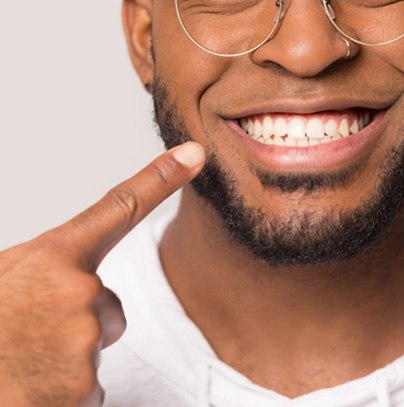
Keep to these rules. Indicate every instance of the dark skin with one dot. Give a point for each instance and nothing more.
(55, 313)
(292, 330)
(296, 329)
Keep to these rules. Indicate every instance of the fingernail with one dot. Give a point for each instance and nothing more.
(189, 154)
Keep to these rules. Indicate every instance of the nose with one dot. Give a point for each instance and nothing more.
(306, 42)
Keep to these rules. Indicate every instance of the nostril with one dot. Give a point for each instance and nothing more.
(306, 44)
(304, 59)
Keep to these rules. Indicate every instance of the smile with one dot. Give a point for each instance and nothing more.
(320, 140)
(304, 130)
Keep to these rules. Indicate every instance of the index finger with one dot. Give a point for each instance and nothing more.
(94, 232)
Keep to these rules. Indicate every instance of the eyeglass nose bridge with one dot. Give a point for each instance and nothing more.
(283, 6)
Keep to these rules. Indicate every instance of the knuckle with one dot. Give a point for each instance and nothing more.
(87, 383)
(94, 285)
(126, 201)
(93, 327)
(164, 171)
(86, 340)
(88, 287)
(78, 289)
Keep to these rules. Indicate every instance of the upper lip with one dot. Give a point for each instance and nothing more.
(306, 105)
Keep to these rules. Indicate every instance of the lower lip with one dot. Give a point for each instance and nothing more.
(321, 157)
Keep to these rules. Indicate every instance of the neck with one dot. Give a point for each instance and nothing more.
(280, 326)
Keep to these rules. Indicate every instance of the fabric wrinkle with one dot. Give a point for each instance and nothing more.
(203, 378)
(164, 359)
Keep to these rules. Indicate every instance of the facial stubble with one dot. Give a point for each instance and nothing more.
(303, 236)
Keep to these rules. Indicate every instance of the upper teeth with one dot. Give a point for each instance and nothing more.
(295, 130)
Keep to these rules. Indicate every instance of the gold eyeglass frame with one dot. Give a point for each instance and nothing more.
(283, 6)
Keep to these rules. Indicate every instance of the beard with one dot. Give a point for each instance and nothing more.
(302, 237)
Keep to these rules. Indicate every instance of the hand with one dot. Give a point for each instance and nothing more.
(55, 314)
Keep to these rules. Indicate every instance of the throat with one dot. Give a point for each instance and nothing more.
(296, 378)
(292, 330)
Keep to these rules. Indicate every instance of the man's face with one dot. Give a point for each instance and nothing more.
(290, 205)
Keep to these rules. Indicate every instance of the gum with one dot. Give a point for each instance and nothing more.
(338, 116)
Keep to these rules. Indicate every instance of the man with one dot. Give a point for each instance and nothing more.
(280, 281)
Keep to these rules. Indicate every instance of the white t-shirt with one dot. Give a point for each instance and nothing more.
(163, 359)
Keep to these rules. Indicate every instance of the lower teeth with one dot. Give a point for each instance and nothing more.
(289, 142)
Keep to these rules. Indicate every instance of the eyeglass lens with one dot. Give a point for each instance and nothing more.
(236, 26)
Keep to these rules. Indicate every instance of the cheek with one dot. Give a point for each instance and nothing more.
(392, 55)
(181, 65)
(395, 126)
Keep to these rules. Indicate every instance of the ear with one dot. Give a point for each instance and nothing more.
(137, 22)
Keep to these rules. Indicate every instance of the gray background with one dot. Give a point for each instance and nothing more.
(74, 118)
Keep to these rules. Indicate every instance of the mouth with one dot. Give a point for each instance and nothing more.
(317, 141)
(305, 130)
